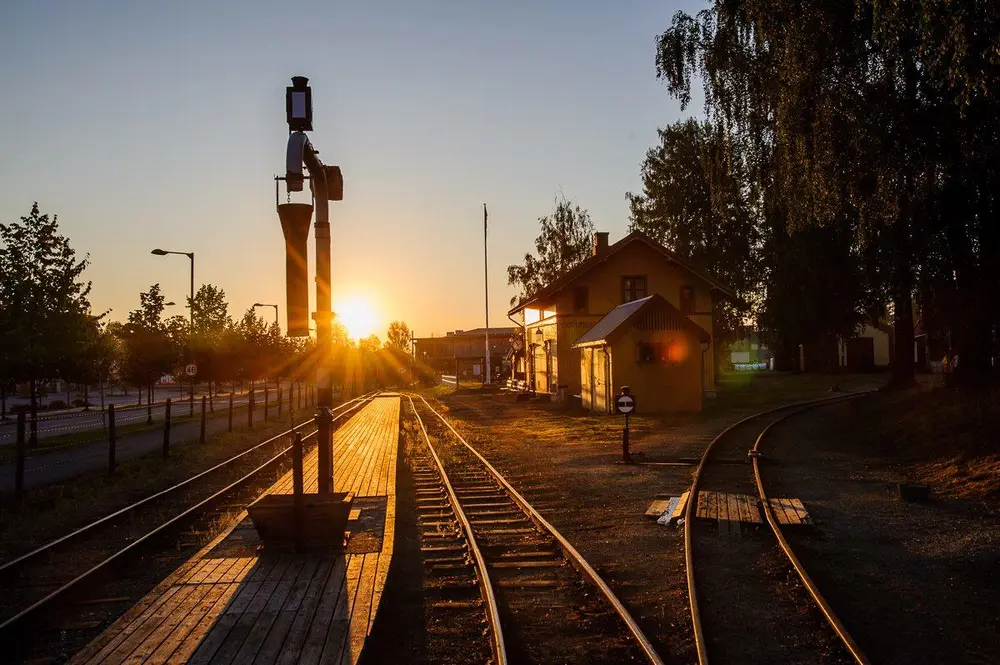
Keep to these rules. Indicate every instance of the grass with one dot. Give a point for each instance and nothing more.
(947, 438)
(745, 389)
(52, 510)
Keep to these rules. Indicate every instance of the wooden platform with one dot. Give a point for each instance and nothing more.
(735, 508)
(234, 602)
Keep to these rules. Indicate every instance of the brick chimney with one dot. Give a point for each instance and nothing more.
(600, 242)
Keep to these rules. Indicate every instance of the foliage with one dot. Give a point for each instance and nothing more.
(876, 120)
(150, 348)
(695, 201)
(398, 337)
(564, 241)
(45, 318)
(370, 344)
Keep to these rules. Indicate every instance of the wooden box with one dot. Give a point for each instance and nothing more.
(324, 519)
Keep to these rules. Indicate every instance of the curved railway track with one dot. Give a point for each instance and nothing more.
(494, 555)
(740, 571)
(39, 584)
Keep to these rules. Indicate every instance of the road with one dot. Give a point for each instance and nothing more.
(53, 467)
(83, 421)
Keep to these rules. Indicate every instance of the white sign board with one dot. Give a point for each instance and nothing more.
(191, 369)
(625, 404)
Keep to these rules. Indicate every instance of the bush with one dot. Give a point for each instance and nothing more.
(57, 404)
(80, 402)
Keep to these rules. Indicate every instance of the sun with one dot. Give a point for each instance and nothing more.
(357, 315)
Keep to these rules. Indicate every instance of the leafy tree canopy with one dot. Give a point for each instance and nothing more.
(564, 241)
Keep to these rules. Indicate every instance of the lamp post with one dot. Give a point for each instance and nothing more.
(255, 306)
(264, 304)
(190, 255)
(327, 184)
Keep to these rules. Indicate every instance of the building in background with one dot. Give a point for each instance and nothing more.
(464, 351)
(631, 269)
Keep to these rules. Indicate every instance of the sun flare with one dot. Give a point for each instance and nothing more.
(358, 317)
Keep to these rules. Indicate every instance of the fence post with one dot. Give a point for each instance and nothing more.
(265, 401)
(166, 430)
(230, 410)
(19, 469)
(203, 401)
(112, 440)
(297, 488)
(250, 405)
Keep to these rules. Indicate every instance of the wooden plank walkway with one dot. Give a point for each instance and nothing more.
(236, 603)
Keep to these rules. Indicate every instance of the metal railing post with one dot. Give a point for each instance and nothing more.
(166, 430)
(21, 453)
(112, 440)
(297, 488)
(201, 438)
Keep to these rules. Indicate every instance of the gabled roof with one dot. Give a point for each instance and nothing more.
(592, 262)
(617, 321)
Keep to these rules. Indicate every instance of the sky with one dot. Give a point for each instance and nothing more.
(162, 124)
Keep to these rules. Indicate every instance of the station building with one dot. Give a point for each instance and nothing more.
(564, 352)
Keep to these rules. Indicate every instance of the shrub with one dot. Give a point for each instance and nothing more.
(57, 404)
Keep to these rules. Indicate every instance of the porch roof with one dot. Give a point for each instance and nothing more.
(618, 320)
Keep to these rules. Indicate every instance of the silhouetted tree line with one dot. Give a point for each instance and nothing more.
(49, 331)
(854, 145)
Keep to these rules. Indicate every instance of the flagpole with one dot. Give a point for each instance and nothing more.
(486, 285)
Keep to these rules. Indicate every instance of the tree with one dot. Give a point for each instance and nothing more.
(695, 201)
(97, 360)
(211, 320)
(564, 241)
(43, 299)
(398, 337)
(842, 107)
(370, 344)
(152, 348)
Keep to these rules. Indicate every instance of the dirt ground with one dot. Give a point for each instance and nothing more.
(913, 582)
(934, 565)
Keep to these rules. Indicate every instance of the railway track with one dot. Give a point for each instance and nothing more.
(495, 561)
(739, 567)
(115, 559)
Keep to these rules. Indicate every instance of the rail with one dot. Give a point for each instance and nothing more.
(571, 553)
(47, 600)
(824, 606)
(692, 503)
(486, 586)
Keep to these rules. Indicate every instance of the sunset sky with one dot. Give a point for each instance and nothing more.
(149, 125)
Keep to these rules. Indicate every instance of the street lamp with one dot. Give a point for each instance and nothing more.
(264, 304)
(190, 255)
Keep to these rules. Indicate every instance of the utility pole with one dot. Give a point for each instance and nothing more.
(486, 285)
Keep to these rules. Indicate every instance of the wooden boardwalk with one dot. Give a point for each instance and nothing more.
(236, 603)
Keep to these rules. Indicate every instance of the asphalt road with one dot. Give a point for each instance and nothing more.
(60, 465)
(83, 421)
